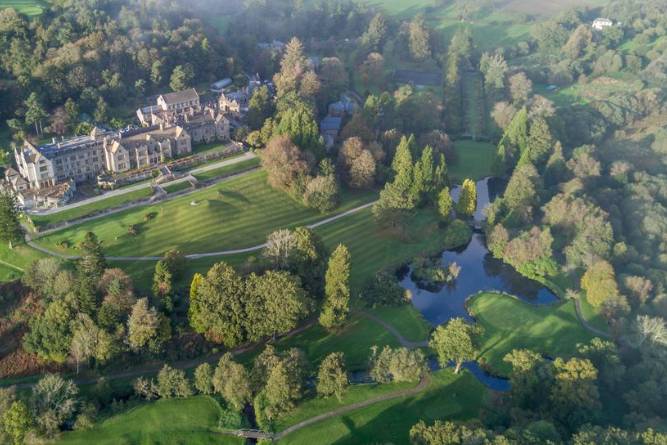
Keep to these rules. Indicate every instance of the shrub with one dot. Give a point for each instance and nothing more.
(132, 230)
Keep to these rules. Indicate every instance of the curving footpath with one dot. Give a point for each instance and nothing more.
(195, 256)
(255, 434)
(585, 323)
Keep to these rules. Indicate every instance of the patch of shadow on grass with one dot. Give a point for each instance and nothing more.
(219, 206)
(233, 195)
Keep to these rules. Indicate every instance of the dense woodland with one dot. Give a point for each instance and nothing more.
(583, 211)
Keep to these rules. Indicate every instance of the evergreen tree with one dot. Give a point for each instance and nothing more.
(274, 304)
(260, 107)
(163, 285)
(92, 262)
(427, 176)
(298, 122)
(217, 308)
(181, 77)
(398, 195)
(538, 144)
(35, 112)
(101, 114)
(336, 306)
(445, 204)
(10, 226)
(513, 144)
(467, 204)
(458, 59)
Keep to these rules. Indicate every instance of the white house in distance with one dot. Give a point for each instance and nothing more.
(601, 23)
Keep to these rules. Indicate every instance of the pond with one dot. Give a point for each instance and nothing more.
(479, 272)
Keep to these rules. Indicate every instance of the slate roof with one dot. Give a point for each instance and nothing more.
(180, 96)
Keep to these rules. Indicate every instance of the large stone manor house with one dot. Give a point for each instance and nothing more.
(169, 129)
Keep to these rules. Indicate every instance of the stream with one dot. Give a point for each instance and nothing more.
(479, 272)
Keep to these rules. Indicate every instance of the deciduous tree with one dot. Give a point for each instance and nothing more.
(275, 302)
(332, 376)
(232, 382)
(599, 282)
(455, 342)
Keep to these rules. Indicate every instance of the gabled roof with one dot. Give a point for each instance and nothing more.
(180, 96)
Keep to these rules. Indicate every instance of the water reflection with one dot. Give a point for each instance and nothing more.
(479, 272)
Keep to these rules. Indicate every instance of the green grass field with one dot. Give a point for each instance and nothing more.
(475, 160)
(509, 324)
(13, 262)
(228, 170)
(449, 396)
(371, 248)
(235, 214)
(407, 320)
(355, 341)
(165, 422)
(89, 209)
(27, 7)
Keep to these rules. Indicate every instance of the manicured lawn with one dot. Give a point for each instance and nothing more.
(449, 396)
(318, 405)
(474, 160)
(173, 188)
(228, 170)
(373, 249)
(176, 421)
(27, 7)
(238, 213)
(90, 209)
(408, 320)
(355, 341)
(510, 324)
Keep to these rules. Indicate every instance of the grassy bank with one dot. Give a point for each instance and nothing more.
(177, 421)
(448, 396)
(41, 221)
(354, 340)
(509, 323)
